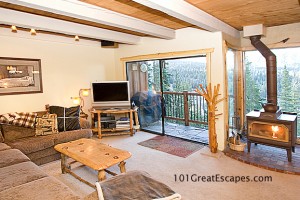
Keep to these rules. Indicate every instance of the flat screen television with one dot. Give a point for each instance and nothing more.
(110, 94)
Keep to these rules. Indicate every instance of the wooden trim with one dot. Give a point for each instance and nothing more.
(208, 68)
(241, 87)
(226, 110)
(167, 55)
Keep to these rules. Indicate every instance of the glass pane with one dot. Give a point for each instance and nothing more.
(186, 111)
(255, 79)
(231, 86)
(144, 77)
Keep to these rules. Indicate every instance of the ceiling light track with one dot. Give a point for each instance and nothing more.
(48, 24)
(33, 32)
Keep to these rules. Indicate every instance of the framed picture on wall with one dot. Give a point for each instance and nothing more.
(20, 76)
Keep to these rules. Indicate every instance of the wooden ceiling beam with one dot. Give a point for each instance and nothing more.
(186, 12)
(26, 20)
(84, 11)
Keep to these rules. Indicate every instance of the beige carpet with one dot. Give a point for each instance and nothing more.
(165, 167)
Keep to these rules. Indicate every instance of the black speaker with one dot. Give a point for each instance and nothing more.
(109, 44)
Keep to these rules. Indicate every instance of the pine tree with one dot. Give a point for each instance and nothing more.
(286, 99)
(296, 101)
(253, 98)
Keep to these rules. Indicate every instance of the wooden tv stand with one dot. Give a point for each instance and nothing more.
(113, 131)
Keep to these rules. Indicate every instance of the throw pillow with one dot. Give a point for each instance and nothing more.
(23, 119)
(46, 125)
(9, 117)
(67, 118)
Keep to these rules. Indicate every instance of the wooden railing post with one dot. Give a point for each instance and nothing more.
(186, 108)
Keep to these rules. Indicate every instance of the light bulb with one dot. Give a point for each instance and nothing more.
(14, 29)
(32, 31)
(76, 100)
(85, 92)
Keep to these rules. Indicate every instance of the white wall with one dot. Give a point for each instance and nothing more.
(186, 39)
(66, 66)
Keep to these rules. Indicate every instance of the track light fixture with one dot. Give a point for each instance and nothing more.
(14, 29)
(33, 31)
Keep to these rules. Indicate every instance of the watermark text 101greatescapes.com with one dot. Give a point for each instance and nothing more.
(220, 178)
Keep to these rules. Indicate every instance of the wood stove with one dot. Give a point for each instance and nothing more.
(278, 130)
(270, 126)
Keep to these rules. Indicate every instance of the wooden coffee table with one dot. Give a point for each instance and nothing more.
(93, 154)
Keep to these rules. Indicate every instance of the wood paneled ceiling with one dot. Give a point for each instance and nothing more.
(239, 13)
(139, 11)
(235, 13)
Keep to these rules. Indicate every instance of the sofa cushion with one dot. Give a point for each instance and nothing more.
(46, 125)
(19, 174)
(11, 157)
(1, 136)
(67, 118)
(46, 188)
(4, 146)
(72, 135)
(33, 144)
(42, 153)
(11, 132)
(44, 160)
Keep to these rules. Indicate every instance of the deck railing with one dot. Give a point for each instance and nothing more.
(188, 107)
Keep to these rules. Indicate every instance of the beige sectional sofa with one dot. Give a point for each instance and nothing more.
(20, 153)
(22, 179)
(40, 149)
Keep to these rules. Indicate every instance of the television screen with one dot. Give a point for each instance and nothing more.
(110, 93)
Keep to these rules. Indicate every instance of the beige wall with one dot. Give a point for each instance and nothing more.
(278, 33)
(186, 39)
(66, 65)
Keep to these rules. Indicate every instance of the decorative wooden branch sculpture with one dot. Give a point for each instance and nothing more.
(211, 99)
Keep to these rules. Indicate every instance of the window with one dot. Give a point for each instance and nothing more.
(288, 80)
(230, 57)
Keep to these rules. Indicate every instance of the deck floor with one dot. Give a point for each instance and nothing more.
(177, 130)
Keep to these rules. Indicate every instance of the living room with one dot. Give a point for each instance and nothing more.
(68, 65)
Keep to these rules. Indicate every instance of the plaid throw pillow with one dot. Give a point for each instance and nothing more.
(23, 119)
(8, 117)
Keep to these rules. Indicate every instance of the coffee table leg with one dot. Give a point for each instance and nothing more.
(63, 163)
(101, 175)
(122, 167)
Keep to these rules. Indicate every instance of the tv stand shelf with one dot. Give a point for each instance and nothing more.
(113, 131)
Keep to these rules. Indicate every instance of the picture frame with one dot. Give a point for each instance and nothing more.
(20, 76)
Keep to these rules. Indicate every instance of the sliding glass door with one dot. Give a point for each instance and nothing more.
(164, 91)
(146, 91)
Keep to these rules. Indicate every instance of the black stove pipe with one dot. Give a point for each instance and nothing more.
(271, 105)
